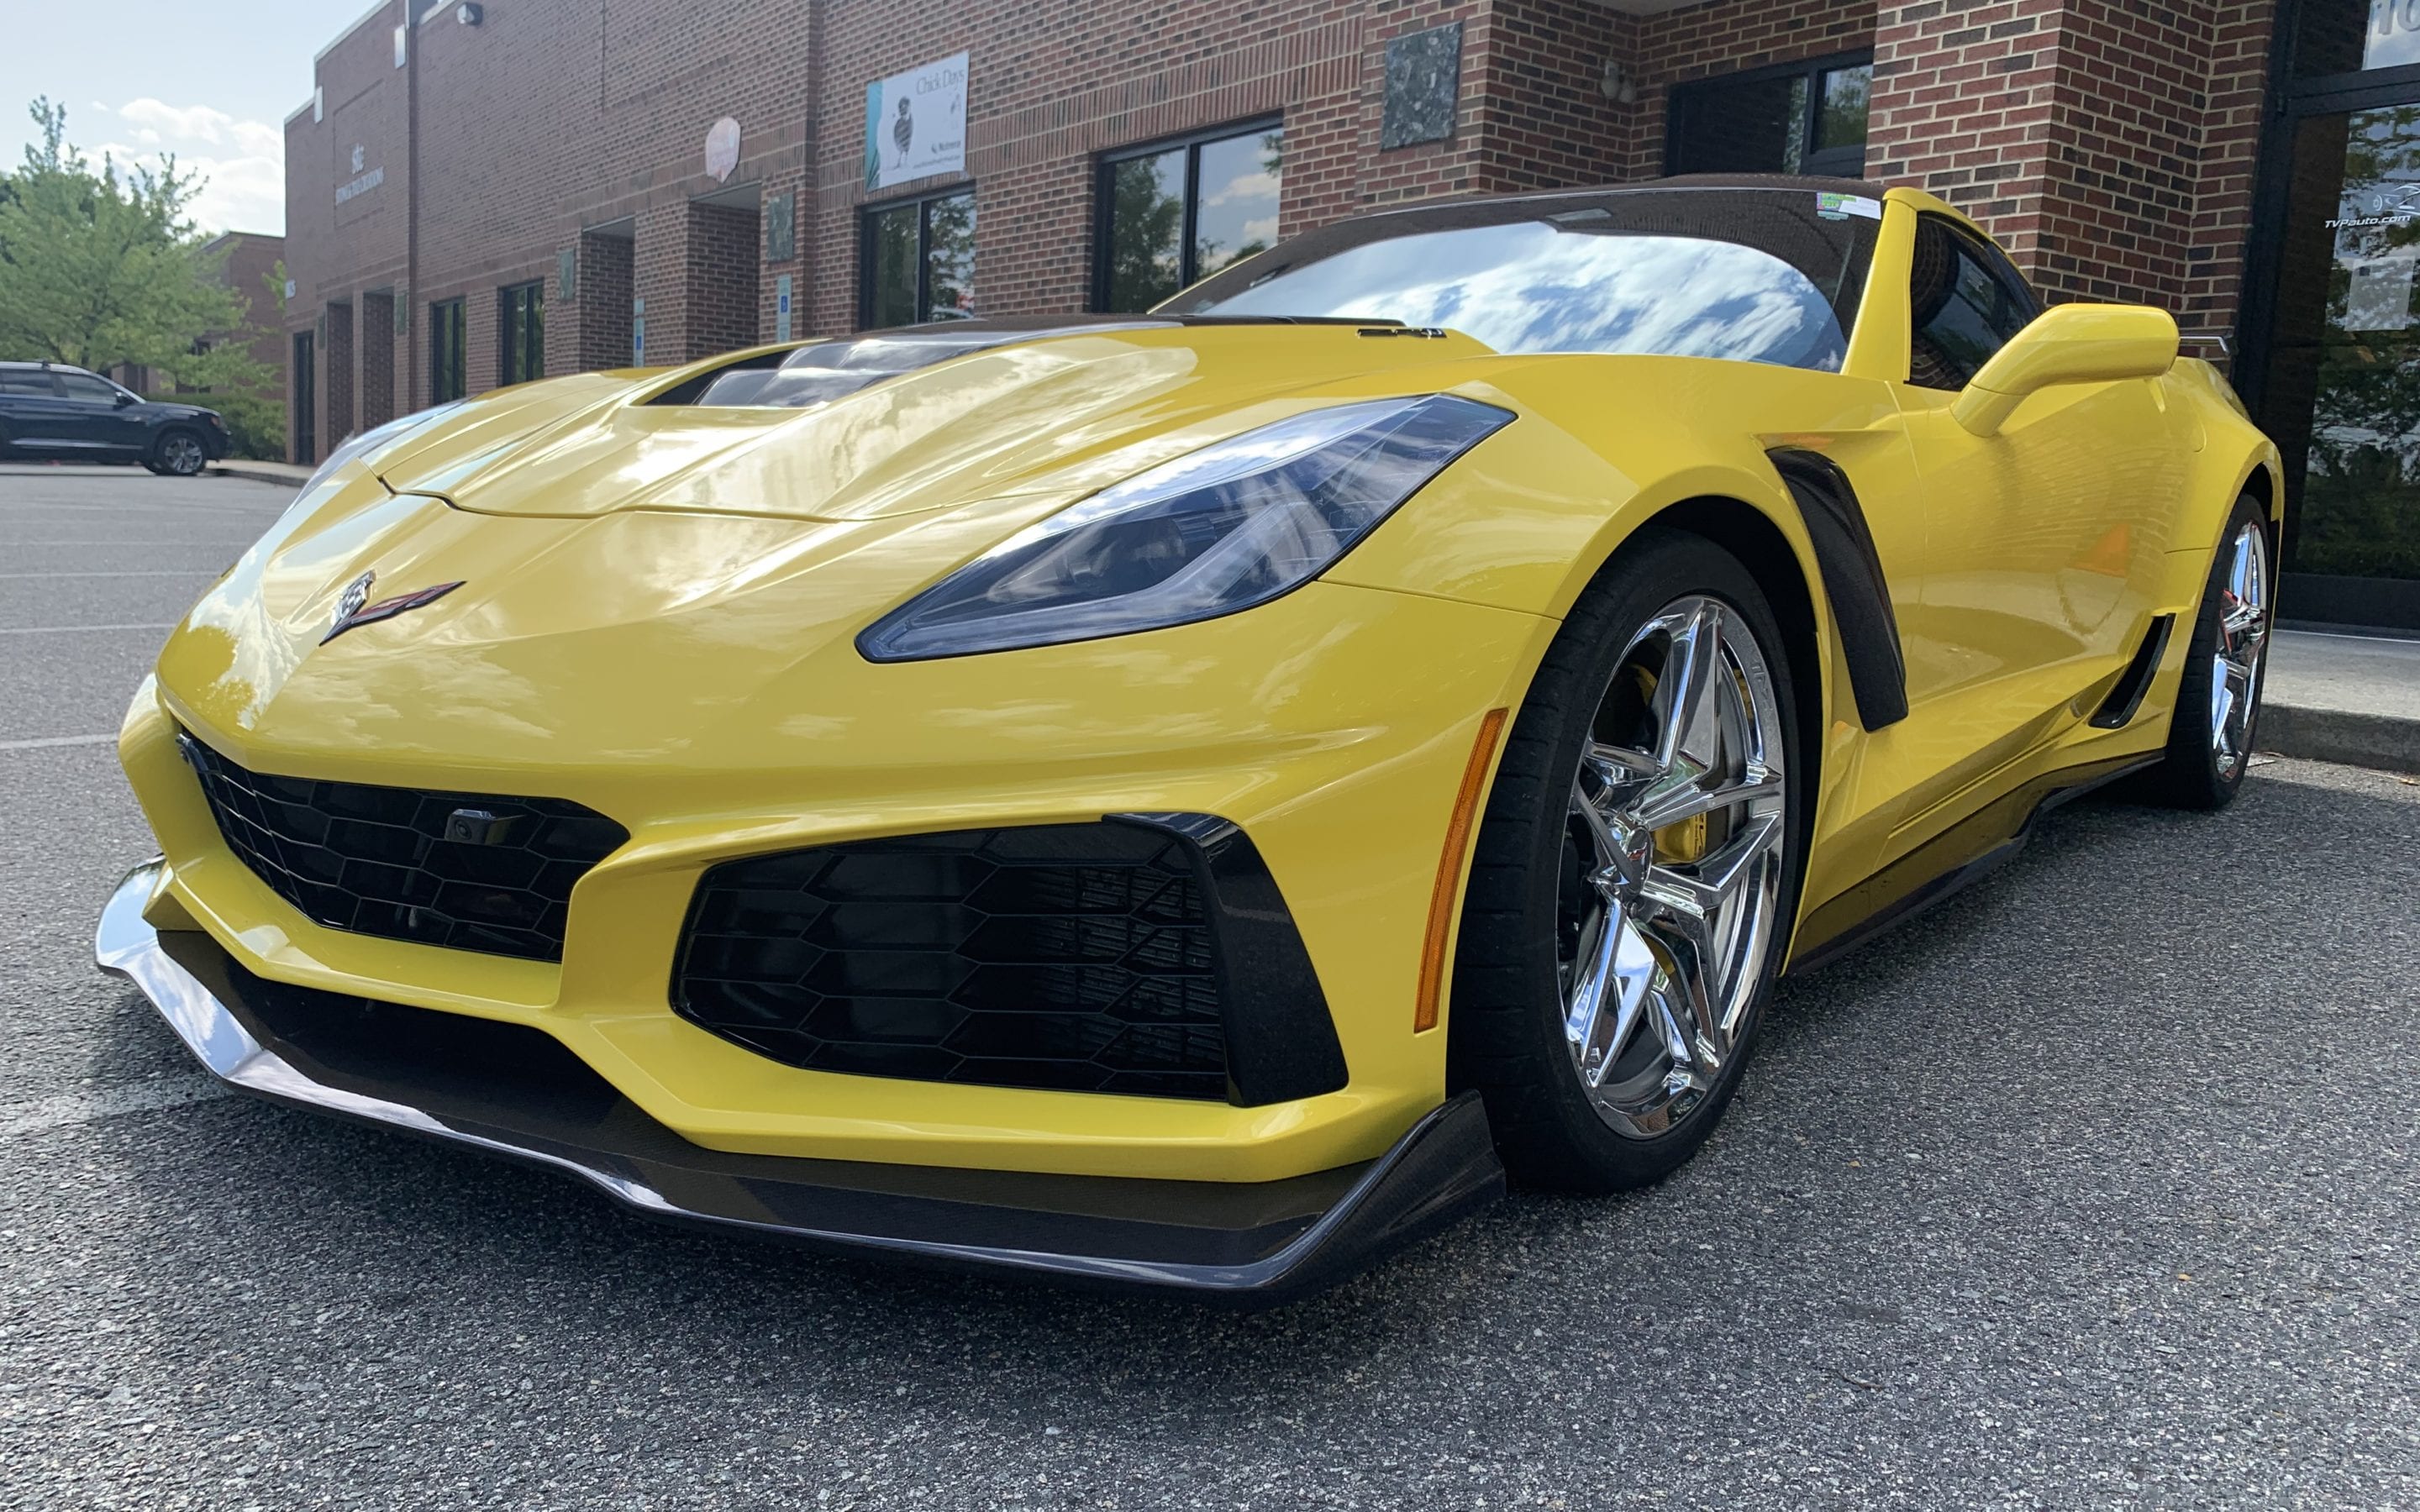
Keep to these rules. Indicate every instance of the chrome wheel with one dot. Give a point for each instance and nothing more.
(2242, 641)
(181, 455)
(1672, 866)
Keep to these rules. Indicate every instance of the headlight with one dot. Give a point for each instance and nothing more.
(1228, 527)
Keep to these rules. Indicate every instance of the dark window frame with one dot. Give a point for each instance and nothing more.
(1996, 265)
(1104, 199)
(439, 391)
(509, 364)
(1812, 162)
(867, 214)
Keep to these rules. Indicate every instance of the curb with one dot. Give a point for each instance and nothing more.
(2374, 740)
(258, 473)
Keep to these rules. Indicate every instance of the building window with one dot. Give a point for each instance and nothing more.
(2352, 37)
(446, 374)
(919, 261)
(1173, 213)
(1802, 119)
(521, 327)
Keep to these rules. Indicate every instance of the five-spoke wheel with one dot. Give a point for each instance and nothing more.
(2218, 699)
(1631, 890)
(1673, 864)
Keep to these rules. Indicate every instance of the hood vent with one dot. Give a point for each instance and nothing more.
(826, 370)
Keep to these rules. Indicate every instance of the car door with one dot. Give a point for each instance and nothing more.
(98, 422)
(2043, 540)
(34, 416)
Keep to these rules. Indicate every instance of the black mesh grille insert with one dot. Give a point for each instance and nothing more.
(454, 869)
(1068, 956)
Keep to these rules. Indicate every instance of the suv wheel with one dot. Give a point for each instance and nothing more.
(178, 455)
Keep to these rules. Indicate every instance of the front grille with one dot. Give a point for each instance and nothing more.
(1069, 956)
(461, 870)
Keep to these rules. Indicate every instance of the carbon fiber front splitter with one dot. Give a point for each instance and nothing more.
(514, 1091)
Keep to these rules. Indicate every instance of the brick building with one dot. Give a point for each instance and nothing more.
(480, 194)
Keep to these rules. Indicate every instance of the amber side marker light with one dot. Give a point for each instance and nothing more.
(1457, 843)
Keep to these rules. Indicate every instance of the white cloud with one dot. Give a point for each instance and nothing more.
(244, 160)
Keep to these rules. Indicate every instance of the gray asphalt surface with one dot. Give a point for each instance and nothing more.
(2096, 1187)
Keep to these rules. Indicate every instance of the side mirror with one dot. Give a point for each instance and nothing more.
(124, 398)
(2067, 343)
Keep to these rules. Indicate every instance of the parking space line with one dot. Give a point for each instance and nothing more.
(47, 742)
(46, 1113)
(72, 629)
(179, 572)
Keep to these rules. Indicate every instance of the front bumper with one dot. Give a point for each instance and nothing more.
(510, 1090)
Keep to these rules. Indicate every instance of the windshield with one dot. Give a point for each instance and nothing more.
(1757, 275)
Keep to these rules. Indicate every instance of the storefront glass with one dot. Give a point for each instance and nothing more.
(2332, 36)
(2344, 387)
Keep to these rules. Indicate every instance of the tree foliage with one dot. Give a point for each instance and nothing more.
(104, 267)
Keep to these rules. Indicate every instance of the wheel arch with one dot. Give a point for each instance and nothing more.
(176, 427)
(1766, 550)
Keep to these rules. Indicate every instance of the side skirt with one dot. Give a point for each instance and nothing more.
(1972, 849)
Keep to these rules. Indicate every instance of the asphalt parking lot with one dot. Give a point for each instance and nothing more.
(2096, 1187)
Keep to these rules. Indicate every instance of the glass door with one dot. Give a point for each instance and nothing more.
(2344, 386)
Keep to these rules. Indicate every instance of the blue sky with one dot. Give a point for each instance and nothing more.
(212, 84)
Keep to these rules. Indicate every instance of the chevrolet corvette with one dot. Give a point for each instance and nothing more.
(1192, 799)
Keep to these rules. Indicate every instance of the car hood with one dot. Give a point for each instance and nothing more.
(898, 423)
(682, 585)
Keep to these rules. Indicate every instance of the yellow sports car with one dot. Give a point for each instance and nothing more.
(1192, 798)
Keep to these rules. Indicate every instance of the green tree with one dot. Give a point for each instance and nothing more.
(102, 268)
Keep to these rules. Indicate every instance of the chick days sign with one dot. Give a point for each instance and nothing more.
(916, 124)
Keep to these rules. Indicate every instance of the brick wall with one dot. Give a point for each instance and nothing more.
(2110, 142)
(722, 280)
(605, 287)
(1054, 83)
(337, 416)
(378, 359)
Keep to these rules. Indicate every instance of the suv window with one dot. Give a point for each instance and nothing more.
(85, 386)
(1965, 300)
(27, 382)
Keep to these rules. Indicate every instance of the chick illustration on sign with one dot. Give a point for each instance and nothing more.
(916, 124)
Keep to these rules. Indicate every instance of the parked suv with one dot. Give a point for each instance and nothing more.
(50, 410)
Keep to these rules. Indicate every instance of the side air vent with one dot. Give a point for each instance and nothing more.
(2119, 709)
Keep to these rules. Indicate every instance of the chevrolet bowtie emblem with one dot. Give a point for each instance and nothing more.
(353, 607)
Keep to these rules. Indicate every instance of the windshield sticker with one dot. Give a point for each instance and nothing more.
(1833, 206)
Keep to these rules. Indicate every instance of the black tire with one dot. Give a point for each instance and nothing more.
(2193, 774)
(178, 454)
(1505, 1035)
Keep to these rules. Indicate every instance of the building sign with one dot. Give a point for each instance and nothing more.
(722, 149)
(361, 183)
(781, 308)
(2394, 33)
(916, 124)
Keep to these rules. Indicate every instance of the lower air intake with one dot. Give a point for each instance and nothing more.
(1093, 957)
(464, 870)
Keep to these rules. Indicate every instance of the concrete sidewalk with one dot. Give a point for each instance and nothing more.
(2343, 697)
(291, 476)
